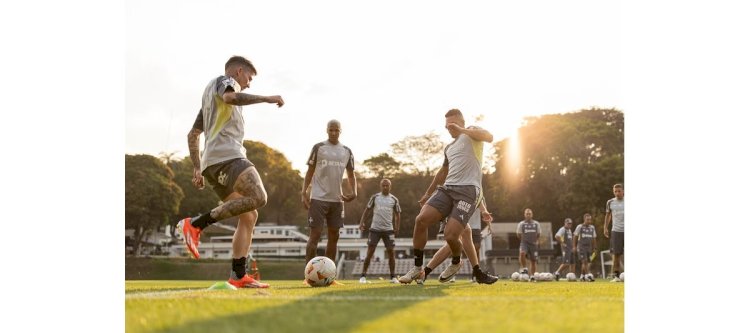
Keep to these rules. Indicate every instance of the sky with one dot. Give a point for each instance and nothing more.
(385, 70)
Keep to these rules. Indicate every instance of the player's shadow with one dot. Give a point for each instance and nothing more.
(330, 311)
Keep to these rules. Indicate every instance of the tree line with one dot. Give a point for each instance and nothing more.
(559, 165)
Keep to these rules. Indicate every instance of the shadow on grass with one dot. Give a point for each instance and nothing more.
(330, 311)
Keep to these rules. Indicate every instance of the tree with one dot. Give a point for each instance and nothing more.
(151, 195)
(283, 185)
(419, 155)
(382, 166)
(566, 166)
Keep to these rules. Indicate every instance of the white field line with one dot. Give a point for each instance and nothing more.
(268, 295)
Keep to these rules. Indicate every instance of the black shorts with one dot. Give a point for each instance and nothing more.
(221, 176)
(326, 213)
(567, 256)
(389, 238)
(584, 255)
(531, 251)
(457, 201)
(617, 242)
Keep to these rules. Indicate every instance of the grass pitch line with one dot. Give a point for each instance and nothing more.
(267, 294)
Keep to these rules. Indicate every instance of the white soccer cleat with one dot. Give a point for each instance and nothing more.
(413, 274)
(616, 279)
(449, 273)
(394, 280)
(362, 280)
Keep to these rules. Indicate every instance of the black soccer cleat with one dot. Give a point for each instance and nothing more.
(484, 278)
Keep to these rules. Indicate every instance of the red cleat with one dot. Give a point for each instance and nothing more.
(247, 281)
(190, 236)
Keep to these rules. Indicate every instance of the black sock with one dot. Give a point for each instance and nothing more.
(476, 269)
(238, 266)
(363, 274)
(203, 221)
(617, 274)
(456, 260)
(418, 257)
(427, 271)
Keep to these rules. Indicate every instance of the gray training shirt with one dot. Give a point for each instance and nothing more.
(529, 231)
(330, 161)
(465, 157)
(222, 123)
(586, 235)
(382, 213)
(617, 208)
(567, 236)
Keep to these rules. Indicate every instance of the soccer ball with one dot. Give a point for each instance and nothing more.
(515, 276)
(589, 277)
(524, 277)
(536, 275)
(622, 276)
(571, 277)
(320, 272)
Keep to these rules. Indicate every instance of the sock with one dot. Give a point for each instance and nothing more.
(418, 257)
(393, 276)
(238, 266)
(475, 269)
(427, 271)
(456, 260)
(363, 275)
(617, 274)
(203, 221)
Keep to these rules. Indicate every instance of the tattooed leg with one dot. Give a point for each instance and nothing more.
(254, 196)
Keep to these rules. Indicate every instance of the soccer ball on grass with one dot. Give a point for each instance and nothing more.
(320, 272)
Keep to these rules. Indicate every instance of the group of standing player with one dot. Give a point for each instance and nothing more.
(582, 241)
(455, 194)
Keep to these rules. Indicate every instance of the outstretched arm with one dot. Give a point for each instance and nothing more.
(238, 98)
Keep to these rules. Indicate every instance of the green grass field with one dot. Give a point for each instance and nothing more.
(289, 306)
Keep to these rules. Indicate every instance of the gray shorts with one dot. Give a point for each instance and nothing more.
(530, 250)
(457, 201)
(221, 176)
(584, 255)
(325, 213)
(389, 238)
(567, 257)
(617, 242)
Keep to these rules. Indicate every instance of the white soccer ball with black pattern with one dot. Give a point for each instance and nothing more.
(571, 277)
(622, 276)
(320, 272)
(524, 277)
(515, 276)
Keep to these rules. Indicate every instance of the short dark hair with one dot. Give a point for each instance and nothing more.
(617, 186)
(241, 61)
(587, 214)
(454, 112)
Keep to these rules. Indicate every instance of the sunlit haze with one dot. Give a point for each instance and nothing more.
(385, 69)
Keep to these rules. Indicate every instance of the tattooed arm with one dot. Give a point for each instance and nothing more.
(237, 98)
(194, 141)
(193, 145)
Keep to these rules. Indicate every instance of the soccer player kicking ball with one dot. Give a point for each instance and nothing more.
(225, 166)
